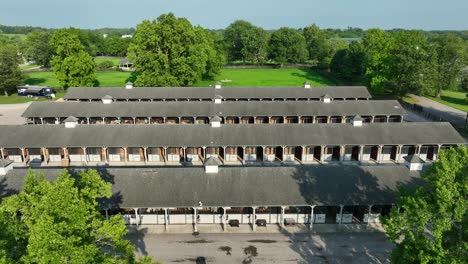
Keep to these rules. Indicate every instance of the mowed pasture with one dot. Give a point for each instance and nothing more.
(229, 77)
(454, 99)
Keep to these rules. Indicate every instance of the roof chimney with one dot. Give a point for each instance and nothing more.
(215, 121)
(212, 164)
(218, 99)
(306, 85)
(326, 98)
(107, 99)
(414, 162)
(70, 122)
(5, 166)
(357, 120)
(218, 85)
(129, 85)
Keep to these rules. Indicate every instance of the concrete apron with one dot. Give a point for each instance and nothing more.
(270, 228)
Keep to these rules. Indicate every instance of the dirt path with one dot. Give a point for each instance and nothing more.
(10, 114)
(448, 113)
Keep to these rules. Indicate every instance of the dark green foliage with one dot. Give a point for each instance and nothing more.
(38, 47)
(10, 74)
(170, 51)
(288, 45)
(246, 42)
(60, 222)
(348, 64)
(432, 225)
(105, 64)
(116, 46)
(71, 64)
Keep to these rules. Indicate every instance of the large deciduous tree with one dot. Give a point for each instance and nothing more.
(432, 224)
(246, 42)
(60, 222)
(349, 63)
(71, 64)
(450, 60)
(169, 51)
(38, 47)
(10, 73)
(288, 45)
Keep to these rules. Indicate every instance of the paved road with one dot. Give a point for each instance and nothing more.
(10, 114)
(265, 248)
(448, 113)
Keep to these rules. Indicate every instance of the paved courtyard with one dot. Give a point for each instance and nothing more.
(265, 248)
(10, 114)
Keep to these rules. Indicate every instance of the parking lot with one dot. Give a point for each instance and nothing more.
(10, 114)
(369, 247)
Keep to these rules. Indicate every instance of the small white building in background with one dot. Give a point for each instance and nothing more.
(126, 36)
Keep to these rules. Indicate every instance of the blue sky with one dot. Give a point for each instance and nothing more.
(214, 14)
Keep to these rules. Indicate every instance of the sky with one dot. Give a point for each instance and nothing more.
(217, 14)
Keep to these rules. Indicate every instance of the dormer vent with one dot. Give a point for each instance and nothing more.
(357, 120)
(129, 85)
(306, 85)
(218, 99)
(70, 122)
(107, 99)
(326, 98)
(218, 85)
(414, 162)
(215, 121)
(212, 164)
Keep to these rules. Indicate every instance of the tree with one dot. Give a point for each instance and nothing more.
(349, 63)
(169, 51)
(10, 73)
(71, 64)
(246, 42)
(412, 64)
(450, 60)
(60, 222)
(38, 47)
(287, 45)
(116, 46)
(317, 44)
(376, 43)
(432, 225)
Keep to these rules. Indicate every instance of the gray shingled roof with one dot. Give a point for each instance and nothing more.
(413, 159)
(212, 161)
(245, 186)
(228, 135)
(209, 93)
(168, 109)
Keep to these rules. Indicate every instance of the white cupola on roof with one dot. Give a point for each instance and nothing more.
(357, 120)
(218, 99)
(306, 85)
(215, 121)
(414, 162)
(70, 122)
(212, 164)
(129, 85)
(326, 98)
(218, 85)
(107, 99)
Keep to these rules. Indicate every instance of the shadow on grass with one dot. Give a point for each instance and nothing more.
(310, 75)
(35, 81)
(454, 100)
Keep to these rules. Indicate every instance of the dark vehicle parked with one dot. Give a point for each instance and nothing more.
(36, 91)
(234, 223)
(261, 222)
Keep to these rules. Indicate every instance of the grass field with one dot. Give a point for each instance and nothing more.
(20, 36)
(30, 66)
(15, 99)
(454, 99)
(114, 60)
(229, 77)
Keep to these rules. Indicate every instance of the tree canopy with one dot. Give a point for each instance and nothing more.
(10, 73)
(38, 47)
(432, 224)
(348, 63)
(246, 42)
(169, 51)
(60, 222)
(288, 45)
(72, 65)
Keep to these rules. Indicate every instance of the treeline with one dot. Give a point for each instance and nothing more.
(170, 51)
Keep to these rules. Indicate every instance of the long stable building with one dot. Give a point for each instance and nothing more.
(284, 155)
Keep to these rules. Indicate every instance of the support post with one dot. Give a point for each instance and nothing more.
(126, 155)
(322, 153)
(184, 153)
(195, 220)
(361, 152)
(419, 149)
(311, 221)
(243, 155)
(342, 153)
(343, 119)
(137, 217)
(388, 119)
(105, 155)
(379, 154)
(42, 120)
(282, 217)
(372, 119)
(145, 157)
(204, 153)
(85, 155)
(369, 215)
(253, 218)
(224, 219)
(23, 155)
(165, 154)
(166, 219)
(341, 214)
(2, 155)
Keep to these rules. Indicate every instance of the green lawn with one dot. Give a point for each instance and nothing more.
(105, 78)
(15, 99)
(30, 66)
(454, 99)
(268, 77)
(20, 36)
(114, 60)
